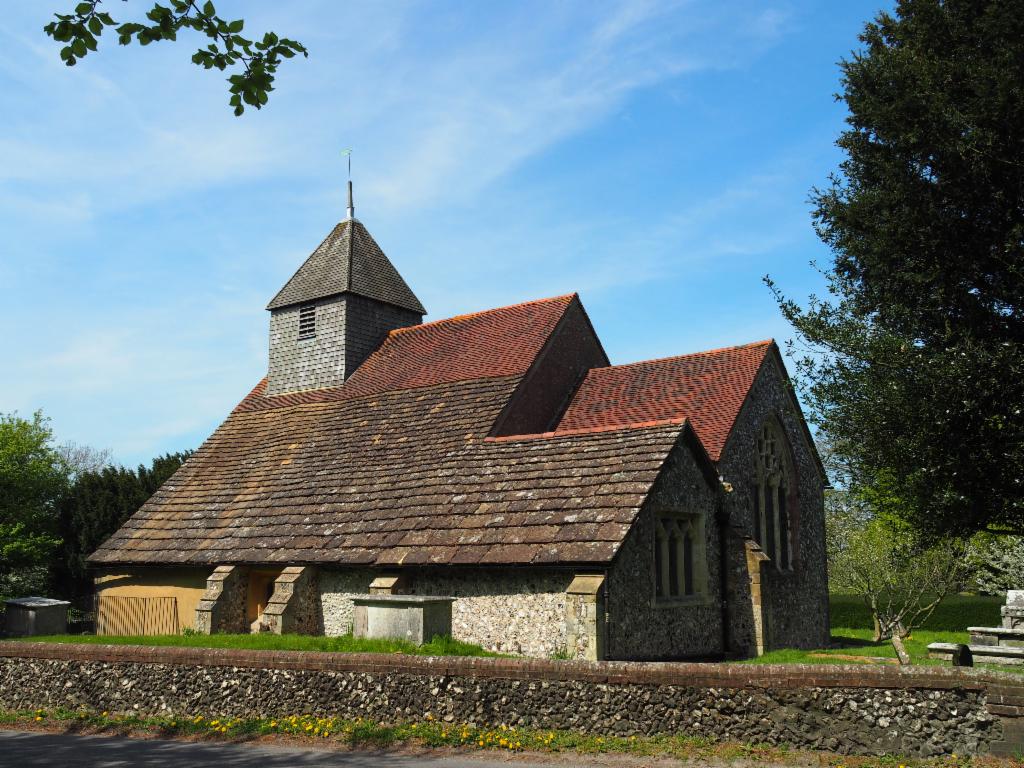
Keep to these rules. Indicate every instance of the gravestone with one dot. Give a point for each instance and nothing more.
(992, 645)
(1013, 611)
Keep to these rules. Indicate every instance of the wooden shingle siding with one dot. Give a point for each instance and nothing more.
(347, 261)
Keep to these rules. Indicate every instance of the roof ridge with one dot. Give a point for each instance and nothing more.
(349, 228)
(257, 400)
(591, 430)
(468, 315)
(763, 342)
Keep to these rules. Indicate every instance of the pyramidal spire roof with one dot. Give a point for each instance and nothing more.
(348, 261)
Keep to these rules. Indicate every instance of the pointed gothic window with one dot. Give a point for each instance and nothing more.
(775, 484)
(679, 563)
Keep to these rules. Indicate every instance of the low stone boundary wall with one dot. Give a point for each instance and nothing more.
(853, 709)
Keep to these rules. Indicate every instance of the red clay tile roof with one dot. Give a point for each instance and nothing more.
(498, 342)
(707, 388)
(400, 478)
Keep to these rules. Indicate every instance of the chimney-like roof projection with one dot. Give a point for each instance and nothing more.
(348, 261)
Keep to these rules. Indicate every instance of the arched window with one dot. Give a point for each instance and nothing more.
(773, 496)
(678, 556)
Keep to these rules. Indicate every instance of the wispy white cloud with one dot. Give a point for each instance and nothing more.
(451, 114)
(444, 104)
(481, 111)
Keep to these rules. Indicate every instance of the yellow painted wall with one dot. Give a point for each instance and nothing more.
(261, 583)
(185, 584)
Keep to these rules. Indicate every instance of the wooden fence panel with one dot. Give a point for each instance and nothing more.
(123, 615)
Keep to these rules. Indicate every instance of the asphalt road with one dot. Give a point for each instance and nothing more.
(19, 749)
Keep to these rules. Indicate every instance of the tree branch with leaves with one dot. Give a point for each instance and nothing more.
(900, 579)
(913, 362)
(254, 63)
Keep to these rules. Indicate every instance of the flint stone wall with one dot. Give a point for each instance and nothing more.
(795, 602)
(641, 627)
(517, 612)
(923, 711)
(223, 605)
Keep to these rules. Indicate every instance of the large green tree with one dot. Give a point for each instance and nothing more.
(914, 364)
(95, 506)
(253, 63)
(33, 478)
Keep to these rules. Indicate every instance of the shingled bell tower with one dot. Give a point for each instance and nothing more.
(335, 310)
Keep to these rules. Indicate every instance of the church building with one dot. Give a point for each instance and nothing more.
(666, 509)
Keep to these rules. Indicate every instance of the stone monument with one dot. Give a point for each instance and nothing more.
(992, 645)
(1013, 611)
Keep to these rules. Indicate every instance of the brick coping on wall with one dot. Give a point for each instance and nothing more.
(1004, 690)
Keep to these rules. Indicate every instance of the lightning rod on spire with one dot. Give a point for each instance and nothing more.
(351, 206)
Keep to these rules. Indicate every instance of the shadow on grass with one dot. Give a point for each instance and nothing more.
(954, 614)
(849, 641)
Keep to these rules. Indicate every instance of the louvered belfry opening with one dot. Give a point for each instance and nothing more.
(307, 322)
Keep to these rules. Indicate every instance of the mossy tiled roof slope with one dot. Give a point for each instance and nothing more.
(707, 388)
(347, 261)
(395, 467)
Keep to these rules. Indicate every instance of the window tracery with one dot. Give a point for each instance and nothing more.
(772, 497)
(678, 556)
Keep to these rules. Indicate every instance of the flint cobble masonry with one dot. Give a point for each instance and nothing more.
(842, 709)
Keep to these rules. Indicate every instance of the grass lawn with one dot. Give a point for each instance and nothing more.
(439, 646)
(851, 636)
(851, 632)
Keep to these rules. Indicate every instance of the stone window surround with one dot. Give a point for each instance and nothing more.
(688, 522)
(780, 473)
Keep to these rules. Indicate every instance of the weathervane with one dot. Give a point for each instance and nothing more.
(347, 154)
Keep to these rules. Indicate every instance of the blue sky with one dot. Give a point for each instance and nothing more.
(656, 157)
